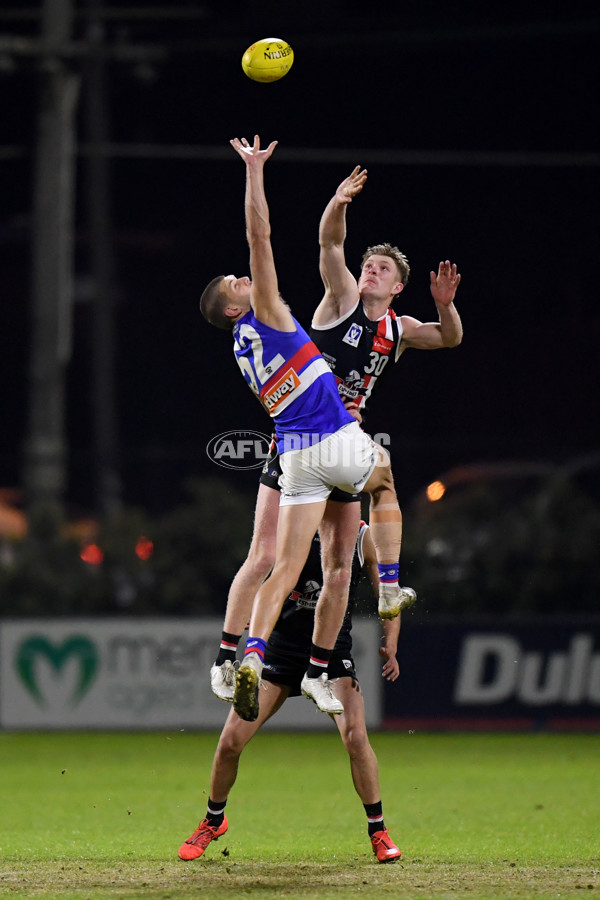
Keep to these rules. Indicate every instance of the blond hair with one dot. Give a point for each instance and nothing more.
(393, 253)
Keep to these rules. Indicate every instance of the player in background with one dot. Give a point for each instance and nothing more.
(321, 446)
(360, 337)
(285, 661)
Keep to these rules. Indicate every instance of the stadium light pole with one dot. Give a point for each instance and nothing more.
(52, 277)
(57, 55)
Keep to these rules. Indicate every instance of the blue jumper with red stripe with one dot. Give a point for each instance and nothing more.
(292, 381)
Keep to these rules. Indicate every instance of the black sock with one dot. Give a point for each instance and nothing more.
(319, 658)
(374, 813)
(215, 812)
(227, 647)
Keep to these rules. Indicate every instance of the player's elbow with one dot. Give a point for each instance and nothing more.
(259, 232)
(329, 244)
(453, 340)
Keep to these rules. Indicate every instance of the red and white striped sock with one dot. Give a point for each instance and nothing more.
(319, 660)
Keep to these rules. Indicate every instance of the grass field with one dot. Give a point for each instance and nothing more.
(102, 815)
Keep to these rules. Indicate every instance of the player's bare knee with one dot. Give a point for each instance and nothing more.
(359, 744)
(355, 739)
(381, 480)
(230, 745)
(337, 577)
(385, 491)
(261, 560)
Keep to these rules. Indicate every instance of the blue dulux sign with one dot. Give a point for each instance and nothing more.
(497, 674)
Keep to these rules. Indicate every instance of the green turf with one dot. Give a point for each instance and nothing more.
(102, 815)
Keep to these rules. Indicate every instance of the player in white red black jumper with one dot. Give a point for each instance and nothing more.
(285, 662)
(320, 445)
(354, 325)
(361, 337)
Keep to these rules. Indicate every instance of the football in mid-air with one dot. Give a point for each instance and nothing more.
(268, 60)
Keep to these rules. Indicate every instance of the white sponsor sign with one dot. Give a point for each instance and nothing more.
(140, 674)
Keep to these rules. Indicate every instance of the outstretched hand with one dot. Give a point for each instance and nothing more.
(351, 186)
(391, 669)
(444, 284)
(250, 153)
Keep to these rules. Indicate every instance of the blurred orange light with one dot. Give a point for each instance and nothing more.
(13, 523)
(144, 548)
(92, 554)
(435, 491)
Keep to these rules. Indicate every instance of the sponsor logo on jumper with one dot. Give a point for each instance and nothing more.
(304, 603)
(345, 391)
(279, 391)
(494, 668)
(382, 345)
(355, 379)
(308, 597)
(330, 360)
(351, 385)
(239, 449)
(353, 335)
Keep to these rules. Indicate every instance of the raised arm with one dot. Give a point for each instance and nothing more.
(341, 290)
(447, 332)
(266, 301)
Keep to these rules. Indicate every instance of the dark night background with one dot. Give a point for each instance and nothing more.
(478, 125)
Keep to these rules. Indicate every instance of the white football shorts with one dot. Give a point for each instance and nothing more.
(344, 460)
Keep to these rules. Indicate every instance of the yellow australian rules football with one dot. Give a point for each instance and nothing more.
(268, 60)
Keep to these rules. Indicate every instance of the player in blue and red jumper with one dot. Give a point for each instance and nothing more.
(321, 447)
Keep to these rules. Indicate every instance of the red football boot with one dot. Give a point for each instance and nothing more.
(384, 848)
(201, 838)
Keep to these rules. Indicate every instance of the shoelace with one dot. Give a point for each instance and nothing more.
(229, 674)
(203, 830)
(327, 686)
(383, 837)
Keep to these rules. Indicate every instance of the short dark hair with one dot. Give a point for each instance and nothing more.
(393, 253)
(213, 302)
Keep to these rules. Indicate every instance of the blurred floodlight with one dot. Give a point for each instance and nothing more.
(144, 548)
(435, 490)
(92, 554)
